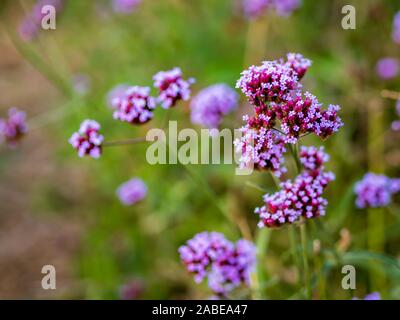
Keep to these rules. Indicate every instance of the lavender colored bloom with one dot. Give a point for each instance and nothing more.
(172, 87)
(116, 93)
(371, 296)
(87, 141)
(132, 191)
(298, 64)
(225, 264)
(375, 191)
(14, 127)
(134, 106)
(255, 8)
(125, 6)
(396, 28)
(300, 198)
(261, 148)
(387, 68)
(211, 104)
(28, 29)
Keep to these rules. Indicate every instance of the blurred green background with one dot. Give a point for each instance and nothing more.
(58, 209)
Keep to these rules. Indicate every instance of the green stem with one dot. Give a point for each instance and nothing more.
(259, 279)
(293, 249)
(124, 142)
(307, 279)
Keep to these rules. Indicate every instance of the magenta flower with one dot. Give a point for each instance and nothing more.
(172, 87)
(87, 141)
(225, 264)
(301, 197)
(125, 6)
(255, 8)
(14, 127)
(375, 190)
(387, 68)
(396, 28)
(132, 191)
(298, 64)
(28, 29)
(211, 104)
(135, 105)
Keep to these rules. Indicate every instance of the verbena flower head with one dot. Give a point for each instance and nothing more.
(298, 63)
(396, 28)
(375, 190)
(125, 6)
(211, 104)
(261, 148)
(172, 87)
(255, 8)
(387, 68)
(132, 191)
(273, 81)
(135, 105)
(301, 197)
(14, 127)
(88, 141)
(117, 92)
(225, 264)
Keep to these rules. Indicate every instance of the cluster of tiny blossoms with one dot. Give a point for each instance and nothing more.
(14, 127)
(88, 141)
(256, 8)
(132, 191)
(31, 24)
(274, 90)
(211, 104)
(301, 197)
(225, 264)
(135, 105)
(375, 190)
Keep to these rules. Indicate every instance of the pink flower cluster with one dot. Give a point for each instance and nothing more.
(134, 105)
(172, 87)
(14, 127)
(396, 28)
(256, 8)
(211, 104)
(88, 141)
(132, 191)
(375, 190)
(301, 197)
(396, 124)
(225, 264)
(31, 24)
(279, 105)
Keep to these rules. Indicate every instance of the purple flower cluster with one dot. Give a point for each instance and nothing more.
(132, 191)
(211, 104)
(370, 296)
(125, 6)
(387, 68)
(301, 197)
(396, 28)
(375, 190)
(31, 24)
(14, 127)
(88, 141)
(172, 87)
(255, 8)
(225, 264)
(275, 92)
(135, 105)
(396, 124)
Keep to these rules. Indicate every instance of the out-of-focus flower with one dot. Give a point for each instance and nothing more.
(300, 198)
(14, 127)
(255, 8)
(117, 92)
(371, 296)
(375, 190)
(88, 141)
(132, 191)
(134, 106)
(172, 87)
(211, 104)
(387, 68)
(81, 83)
(131, 290)
(32, 22)
(125, 6)
(396, 124)
(262, 148)
(227, 265)
(396, 28)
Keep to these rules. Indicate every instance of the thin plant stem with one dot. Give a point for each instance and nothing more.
(293, 250)
(307, 279)
(124, 142)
